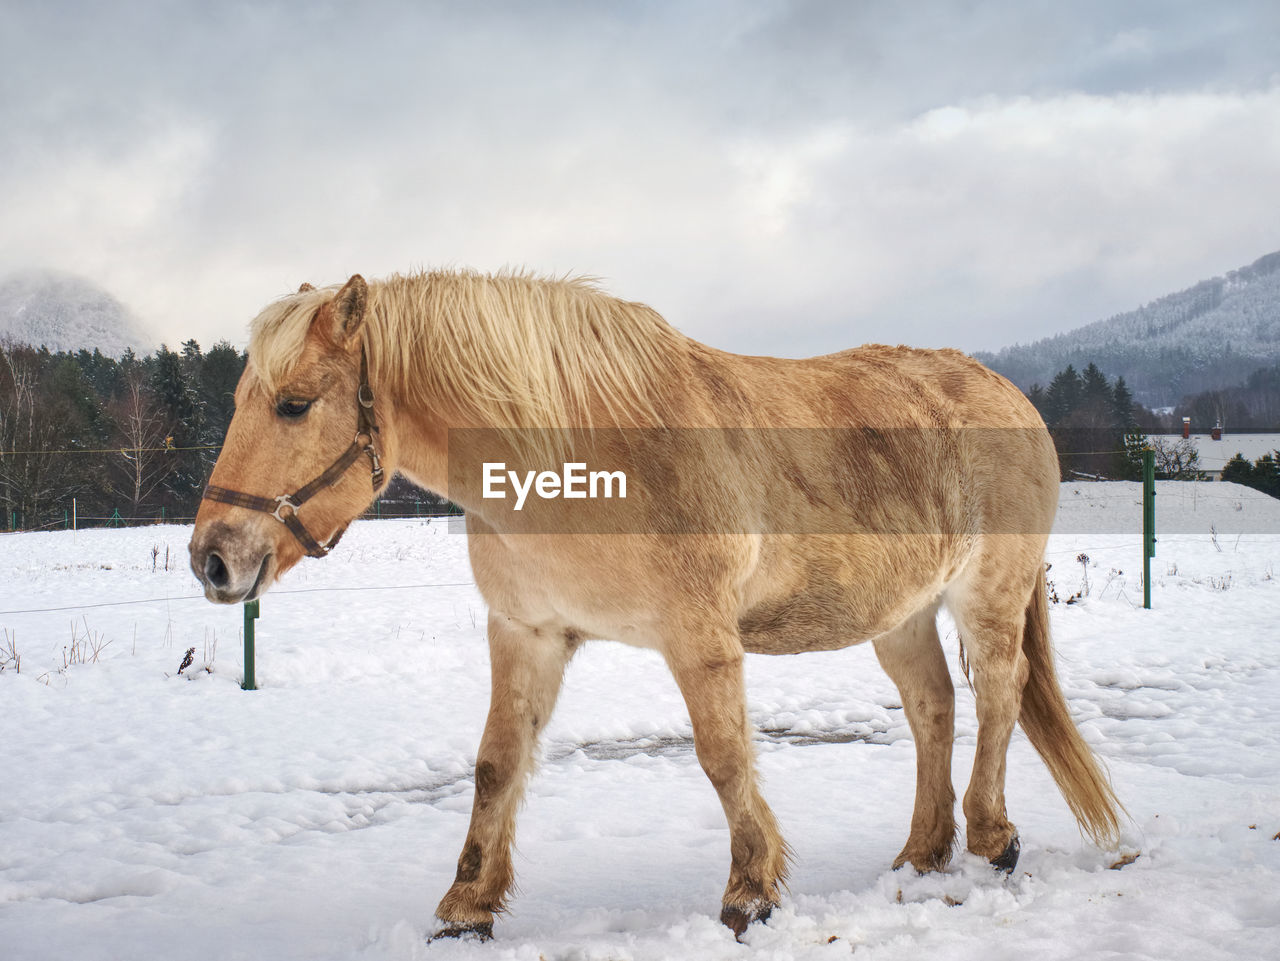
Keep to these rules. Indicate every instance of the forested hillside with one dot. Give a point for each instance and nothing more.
(1208, 337)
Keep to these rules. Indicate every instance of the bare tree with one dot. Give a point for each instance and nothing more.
(1176, 459)
(139, 422)
(32, 436)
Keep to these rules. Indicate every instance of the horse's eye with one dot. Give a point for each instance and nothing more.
(292, 407)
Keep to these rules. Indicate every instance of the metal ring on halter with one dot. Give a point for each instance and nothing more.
(283, 501)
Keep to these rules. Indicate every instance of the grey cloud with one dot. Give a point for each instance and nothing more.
(759, 172)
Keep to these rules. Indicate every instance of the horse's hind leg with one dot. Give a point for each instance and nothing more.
(527, 667)
(911, 655)
(990, 611)
(707, 664)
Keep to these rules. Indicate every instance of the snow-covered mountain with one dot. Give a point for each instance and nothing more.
(65, 312)
(1208, 336)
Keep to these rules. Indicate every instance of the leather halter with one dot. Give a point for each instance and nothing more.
(284, 507)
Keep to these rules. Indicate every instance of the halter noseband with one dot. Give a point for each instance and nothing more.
(284, 507)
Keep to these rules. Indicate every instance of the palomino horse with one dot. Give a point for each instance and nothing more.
(773, 506)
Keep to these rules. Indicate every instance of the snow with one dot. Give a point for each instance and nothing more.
(1214, 454)
(147, 814)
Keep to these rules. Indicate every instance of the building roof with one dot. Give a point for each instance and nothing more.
(1214, 454)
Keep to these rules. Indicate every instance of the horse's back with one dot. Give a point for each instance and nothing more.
(882, 386)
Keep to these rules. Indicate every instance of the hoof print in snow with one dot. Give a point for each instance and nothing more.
(1007, 859)
(464, 932)
(738, 919)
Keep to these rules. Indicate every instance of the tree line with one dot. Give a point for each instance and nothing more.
(131, 439)
(1094, 422)
(134, 439)
(1100, 432)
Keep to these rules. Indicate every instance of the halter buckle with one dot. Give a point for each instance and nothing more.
(283, 501)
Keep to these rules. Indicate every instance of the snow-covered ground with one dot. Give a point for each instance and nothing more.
(146, 814)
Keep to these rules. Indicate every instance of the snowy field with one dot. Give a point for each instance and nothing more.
(150, 815)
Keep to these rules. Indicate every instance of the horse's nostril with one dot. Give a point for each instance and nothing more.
(215, 571)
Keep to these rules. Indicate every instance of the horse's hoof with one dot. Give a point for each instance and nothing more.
(923, 865)
(1007, 859)
(480, 931)
(738, 919)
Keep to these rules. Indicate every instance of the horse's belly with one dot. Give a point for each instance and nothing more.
(816, 620)
(822, 595)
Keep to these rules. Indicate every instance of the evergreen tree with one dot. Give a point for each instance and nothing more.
(1262, 475)
(1122, 404)
(183, 421)
(1238, 471)
(219, 374)
(1094, 388)
(1266, 473)
(191, 359)
(1063, 396)
(1037, 397)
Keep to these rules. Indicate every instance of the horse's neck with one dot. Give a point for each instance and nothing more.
(421, 437)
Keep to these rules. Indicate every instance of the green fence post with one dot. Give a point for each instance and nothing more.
(250, 612)
(1148, 522)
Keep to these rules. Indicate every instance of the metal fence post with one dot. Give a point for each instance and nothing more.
(250, 613)
(1148, 522)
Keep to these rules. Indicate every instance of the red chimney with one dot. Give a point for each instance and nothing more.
(1186, 427)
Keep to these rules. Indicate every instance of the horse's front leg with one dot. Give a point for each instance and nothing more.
(707, 664)
(527, 666)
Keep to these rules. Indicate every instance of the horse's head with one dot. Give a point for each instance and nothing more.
(301, 457)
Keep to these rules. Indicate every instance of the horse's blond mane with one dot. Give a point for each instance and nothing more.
(511, 350)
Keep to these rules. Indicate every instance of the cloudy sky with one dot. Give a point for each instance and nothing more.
(775, 177)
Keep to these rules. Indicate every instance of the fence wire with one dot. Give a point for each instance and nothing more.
(274, 591)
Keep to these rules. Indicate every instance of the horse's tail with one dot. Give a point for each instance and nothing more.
(1047, 722)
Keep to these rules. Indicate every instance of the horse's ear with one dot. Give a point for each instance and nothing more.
(348, 309)
(305, 287)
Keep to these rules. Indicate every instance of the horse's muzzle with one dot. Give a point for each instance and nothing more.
(229, 566)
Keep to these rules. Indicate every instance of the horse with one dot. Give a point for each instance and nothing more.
(772, 506)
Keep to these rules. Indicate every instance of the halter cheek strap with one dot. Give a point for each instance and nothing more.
(284, 507)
